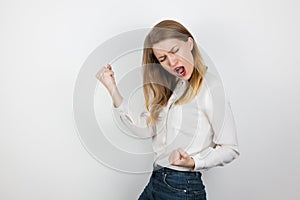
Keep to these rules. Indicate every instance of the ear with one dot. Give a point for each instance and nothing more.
(190, 43)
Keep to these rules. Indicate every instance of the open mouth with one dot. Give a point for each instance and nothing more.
(180, 71)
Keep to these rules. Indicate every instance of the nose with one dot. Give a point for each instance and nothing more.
(172, 60)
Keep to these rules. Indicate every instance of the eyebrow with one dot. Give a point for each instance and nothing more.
(169, 51)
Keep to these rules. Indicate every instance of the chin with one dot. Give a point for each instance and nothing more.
(188, 78)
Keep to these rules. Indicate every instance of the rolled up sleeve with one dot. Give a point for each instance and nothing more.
(137, 125)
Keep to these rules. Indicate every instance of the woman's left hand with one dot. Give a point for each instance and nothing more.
(181, 158)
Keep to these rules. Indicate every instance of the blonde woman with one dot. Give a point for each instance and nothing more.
(181, 118)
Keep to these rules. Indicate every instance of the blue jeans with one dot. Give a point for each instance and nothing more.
(169, 184)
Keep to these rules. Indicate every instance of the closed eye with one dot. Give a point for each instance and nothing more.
(171, 52)
(176, 51)
(163, 59)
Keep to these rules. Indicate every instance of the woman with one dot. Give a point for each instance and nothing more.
(187, 136)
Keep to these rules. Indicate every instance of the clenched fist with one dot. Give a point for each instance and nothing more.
(106, 77)
(181, 158)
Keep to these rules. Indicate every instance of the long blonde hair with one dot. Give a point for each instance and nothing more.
(158, 84)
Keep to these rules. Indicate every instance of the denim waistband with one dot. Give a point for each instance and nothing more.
(166, 170)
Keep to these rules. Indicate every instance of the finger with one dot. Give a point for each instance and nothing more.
(183, 153)
(174, 156)
(179, 162)
(108, 73)
(101, 71)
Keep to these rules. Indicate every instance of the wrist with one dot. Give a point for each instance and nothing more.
(192, 163)
(112, 90)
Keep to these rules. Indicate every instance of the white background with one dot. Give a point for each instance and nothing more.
(43, 44)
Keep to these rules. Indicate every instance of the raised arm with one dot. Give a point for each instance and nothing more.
(125, 120)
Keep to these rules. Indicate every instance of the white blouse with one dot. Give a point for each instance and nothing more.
(204, 127)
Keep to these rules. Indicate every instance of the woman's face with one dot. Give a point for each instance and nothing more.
(175, 56)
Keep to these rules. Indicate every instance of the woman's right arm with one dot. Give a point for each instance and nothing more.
(138, 127)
